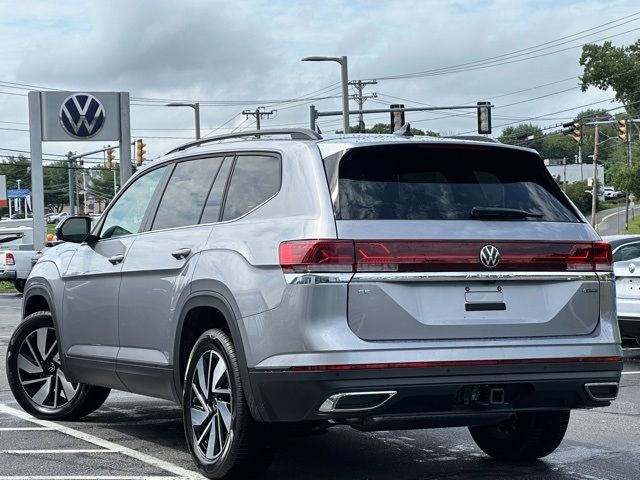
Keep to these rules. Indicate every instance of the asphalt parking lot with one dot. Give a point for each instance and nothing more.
(133, 437)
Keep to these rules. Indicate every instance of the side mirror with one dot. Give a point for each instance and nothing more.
(74, 229)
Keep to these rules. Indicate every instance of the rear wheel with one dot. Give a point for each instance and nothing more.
(19, 284)
(36, 377)
(524, 438)
(223, 438)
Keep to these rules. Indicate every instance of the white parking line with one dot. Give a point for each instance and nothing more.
(114, 447)
(22, 429)
(59, 450)
(83, 477)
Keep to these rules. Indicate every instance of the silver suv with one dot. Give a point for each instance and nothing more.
(278, 279)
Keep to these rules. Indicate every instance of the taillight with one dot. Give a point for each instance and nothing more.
(441, 256)
(308, 256)
(9, 260)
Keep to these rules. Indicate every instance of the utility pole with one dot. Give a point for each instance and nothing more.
(594, 186)
(360, 98)
(84, 190)
(258, 114)
(626, 222)
(72, 184)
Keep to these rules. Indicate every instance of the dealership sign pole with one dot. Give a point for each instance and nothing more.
(74, 116)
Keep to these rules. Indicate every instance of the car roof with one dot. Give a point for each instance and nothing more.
(327, 144)
(618, 240)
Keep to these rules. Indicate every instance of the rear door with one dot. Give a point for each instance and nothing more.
(463, 241)
(157, 269)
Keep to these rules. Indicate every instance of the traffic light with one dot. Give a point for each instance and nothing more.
(110, 157)
(140, 151)
(623, 134)
(573, 128)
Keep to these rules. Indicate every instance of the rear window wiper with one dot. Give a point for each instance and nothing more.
(502, 213)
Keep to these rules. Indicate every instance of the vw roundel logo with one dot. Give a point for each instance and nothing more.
(489, 256)
(82, 115)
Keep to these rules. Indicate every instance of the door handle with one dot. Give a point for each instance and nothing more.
(181, 253)
(116, 259)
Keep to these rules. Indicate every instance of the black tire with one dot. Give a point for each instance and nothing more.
(86, 398)
(19, 285)
(525, 438)
(248, 447)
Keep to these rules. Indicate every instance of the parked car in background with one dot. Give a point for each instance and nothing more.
(626, 255)
(610, 193)
(54, 218)
(16, 251)
(283, 279)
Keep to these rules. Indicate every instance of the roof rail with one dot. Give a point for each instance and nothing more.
(476, 138)
(294, 133)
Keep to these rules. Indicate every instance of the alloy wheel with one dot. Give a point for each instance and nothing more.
(211, 406)
(40, 373)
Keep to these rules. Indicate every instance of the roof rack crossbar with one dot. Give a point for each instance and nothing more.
(294, 133)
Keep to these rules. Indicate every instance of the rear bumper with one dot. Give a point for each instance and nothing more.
(8, 275)
(288, 396)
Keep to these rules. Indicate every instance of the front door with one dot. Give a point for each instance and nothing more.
(92, 283)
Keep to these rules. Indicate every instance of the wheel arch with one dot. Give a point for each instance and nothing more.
(205, 310)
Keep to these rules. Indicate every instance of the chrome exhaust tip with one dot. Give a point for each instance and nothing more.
(356, 401)
(602, 392)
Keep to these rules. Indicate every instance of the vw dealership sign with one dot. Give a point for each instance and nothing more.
(81, 115)
(73, 117)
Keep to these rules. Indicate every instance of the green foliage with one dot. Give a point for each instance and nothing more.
(579, 195)
(385, 128)
(557, 145)
(519, 134)
(607, 66)
(101, 184)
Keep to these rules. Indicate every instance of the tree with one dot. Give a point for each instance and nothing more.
(101, 184)
(56, 185)
(556, 145)
(386, 128)
(618, 68)
(579, 194)
(520, 135)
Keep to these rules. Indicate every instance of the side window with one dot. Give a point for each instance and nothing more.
(126, 215)
(186, 193)
(255, 178)
(628, 252)
(211, 211)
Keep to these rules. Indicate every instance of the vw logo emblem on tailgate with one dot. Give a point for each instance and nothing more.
(489, 256)
(82, 115)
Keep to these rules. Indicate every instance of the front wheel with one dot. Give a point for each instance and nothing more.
(36, 378)
(223, 438)
(524, 438)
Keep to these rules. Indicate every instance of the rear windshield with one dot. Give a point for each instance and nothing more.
(427, 182)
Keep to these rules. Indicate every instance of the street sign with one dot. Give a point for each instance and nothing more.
(18, 193)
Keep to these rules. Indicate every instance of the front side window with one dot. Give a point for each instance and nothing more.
(126, 215)
(186, 193)
(254, 180)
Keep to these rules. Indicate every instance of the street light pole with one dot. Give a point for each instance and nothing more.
(345, 85)
(196, 109)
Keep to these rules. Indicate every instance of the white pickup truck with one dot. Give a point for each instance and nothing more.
(16, 253)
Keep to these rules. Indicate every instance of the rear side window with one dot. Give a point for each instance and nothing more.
(211, 212)
(255, 179)
(186, 193)
(425, 182)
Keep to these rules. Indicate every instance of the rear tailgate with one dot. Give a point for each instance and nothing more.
(417, 248)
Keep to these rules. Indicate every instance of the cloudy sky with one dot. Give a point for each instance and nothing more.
(240, 55)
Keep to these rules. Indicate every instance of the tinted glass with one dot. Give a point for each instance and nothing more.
(426, 183)
(186, 193)
(628, 252)
(254, 180)
(211, 212)
(126, 215)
